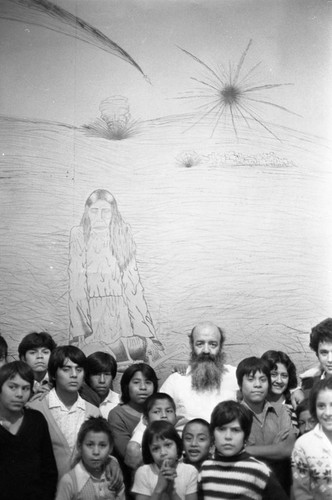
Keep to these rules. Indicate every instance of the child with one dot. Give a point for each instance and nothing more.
(232, 473)
(321, 343)
(158, 406)
(306, 421)
(163, 476)
(101, 370)
(312, 454)
(27, 465)
(88, 478)
(196, 438)
(138, 382)
(63, 408)
(283, 380)
(35, 350)
(272, 435)
(3, 351)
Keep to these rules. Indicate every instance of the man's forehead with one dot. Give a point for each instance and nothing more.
(206, 332)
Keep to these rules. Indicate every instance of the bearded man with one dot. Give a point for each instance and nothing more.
(207, 382)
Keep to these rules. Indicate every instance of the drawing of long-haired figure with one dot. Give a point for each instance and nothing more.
(106, 297)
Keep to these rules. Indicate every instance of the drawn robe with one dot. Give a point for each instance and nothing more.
(106, 302)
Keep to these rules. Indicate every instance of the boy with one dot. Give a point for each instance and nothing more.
(158, 406)
(321, 344)
(101, 370)
(272, 435)
(27, 465)
(197, 442)
(63, 408)
(305, 420)
(3, 351)
(232, 472)
(35, 350)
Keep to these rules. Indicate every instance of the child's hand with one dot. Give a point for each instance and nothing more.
(168, 470)
(113, 474)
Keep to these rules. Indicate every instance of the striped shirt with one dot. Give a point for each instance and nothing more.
(240, 477)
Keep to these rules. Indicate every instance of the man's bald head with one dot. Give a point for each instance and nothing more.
(206, 337)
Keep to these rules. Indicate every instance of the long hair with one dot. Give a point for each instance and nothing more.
(121, 242)
(128, 374)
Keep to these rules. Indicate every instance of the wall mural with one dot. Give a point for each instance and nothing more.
(106, 300)
(164, 163)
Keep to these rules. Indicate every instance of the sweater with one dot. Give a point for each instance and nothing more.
(27, 465)
(240, 477)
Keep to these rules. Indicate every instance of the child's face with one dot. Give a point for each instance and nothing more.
(162, 449)
(324, 355)
(324, 410)
(255, 387)
(101, 383)
(162, 409)
(95, 450)
(229, 438)
(279, 379)
(37, 359)
(196, 442)
(14, 394)
(139, 388)
(306, 422)
(69, 377)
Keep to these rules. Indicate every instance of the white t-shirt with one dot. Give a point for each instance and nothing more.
(110, 402)
(193, 404)
(146, 479)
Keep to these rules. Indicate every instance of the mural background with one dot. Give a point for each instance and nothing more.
(231, 219)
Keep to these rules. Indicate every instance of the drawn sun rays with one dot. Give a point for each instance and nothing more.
(232, 93)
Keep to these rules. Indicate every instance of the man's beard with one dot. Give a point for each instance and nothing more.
(206, 371)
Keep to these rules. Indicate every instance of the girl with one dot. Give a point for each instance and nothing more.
(232, 473)
(312, 454)
(283, 379)
(162, 476)
(138, 382)
(197, 442)
(89, 479)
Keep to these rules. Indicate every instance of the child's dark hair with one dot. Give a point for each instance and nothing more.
(321, 333)
(250, 366)
(10, 370)
(60, 354)
(151, 400)
(99, 362)
(200, 421)
(3, 348)
(35, 340)
(321, 385)
(303, 406)
(128, 374)
(228, 411)
(160, 429)
(95, 424)
(92, 424)
(274, 357)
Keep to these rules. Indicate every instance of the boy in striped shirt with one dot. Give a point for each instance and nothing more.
(232, 473)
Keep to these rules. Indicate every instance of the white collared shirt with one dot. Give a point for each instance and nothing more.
(68, 420)
(110, 402)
